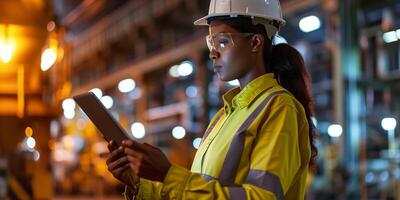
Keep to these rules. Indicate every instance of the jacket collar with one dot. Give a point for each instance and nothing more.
(236, 98)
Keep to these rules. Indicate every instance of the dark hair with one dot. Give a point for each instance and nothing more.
(288, 66)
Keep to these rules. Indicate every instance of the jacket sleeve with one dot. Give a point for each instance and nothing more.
(146, 190)
(152, 190)
(274, 162)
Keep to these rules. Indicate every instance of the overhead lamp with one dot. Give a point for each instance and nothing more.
(310, 23)
(196, 143)
(49, 57)
(50, 54)
(6, 50)
(335, 130)
(30, 142)
(390, 36)
(191, 91)
(126, 85)
(28, 131)
(68, 104)
(97, 92)
(69, 114)
(36, 155)
(178, 132)
(185, 68)
(6, 47)
(173, 71)
(138, 130)
(107, 101)
(388, 123)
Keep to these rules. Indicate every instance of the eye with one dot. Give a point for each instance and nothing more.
(223, 42)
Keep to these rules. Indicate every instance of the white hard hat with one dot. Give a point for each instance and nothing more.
(268, 10)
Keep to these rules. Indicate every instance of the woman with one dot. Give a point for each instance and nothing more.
(259, 145)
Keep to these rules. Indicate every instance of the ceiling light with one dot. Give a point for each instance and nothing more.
(126, 85)
(310, 23)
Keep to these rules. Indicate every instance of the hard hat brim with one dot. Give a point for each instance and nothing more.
(204, 20)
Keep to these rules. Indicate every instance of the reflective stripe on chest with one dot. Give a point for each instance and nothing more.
(230, 167)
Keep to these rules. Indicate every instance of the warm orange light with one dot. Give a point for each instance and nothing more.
(68, 142)
(51, 26)
(6, 51)
(6, 46)
(21, 91)
(28, 131)
(51, 143)
(49, 57)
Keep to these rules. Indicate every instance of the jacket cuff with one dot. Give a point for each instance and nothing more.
(147, 190)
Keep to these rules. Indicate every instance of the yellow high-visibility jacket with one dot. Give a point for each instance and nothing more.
(256, 147)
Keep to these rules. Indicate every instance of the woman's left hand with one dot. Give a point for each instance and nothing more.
(146, 161)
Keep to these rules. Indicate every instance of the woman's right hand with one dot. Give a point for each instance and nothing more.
(118, 164)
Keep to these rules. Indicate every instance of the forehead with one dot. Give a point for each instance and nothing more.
(220, 27)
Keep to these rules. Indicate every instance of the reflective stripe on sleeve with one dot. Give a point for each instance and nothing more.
(207, 177)
(237, 193)
(267, 181)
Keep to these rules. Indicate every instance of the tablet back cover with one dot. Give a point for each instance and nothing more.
(101, 118)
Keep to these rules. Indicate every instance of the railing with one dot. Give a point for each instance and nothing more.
(117, 24)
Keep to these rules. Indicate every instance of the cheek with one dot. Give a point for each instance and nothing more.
(234, 60)
(227, 58)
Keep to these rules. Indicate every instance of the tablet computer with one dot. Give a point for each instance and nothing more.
(101, 118)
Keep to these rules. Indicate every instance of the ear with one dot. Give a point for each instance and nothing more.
(257, 42)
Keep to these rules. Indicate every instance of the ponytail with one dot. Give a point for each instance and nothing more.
(288, 66)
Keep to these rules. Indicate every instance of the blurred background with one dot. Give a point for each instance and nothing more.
(149, 66)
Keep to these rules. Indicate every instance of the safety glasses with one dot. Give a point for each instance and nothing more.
(221, 41)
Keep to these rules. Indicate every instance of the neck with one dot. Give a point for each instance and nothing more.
(257, 70)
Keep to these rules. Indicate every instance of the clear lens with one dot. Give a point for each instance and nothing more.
(221, 41)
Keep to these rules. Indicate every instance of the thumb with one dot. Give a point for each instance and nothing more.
(151, 146)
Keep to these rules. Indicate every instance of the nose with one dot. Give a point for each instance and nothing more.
(213, 54)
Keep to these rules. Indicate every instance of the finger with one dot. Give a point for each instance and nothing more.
(112, 145)
(114, 155)
(131, 152)
(118, 163)
(150, 147)
(137, 166)
(137, 157)
(134, 145)
(120, 171)
(134, 160)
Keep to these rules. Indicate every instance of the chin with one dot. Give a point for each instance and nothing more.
(224, 78)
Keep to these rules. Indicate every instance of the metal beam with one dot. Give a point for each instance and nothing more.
(117, 24)
(354, 135)
(290, 7)
(150, 64)
(77, 12)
